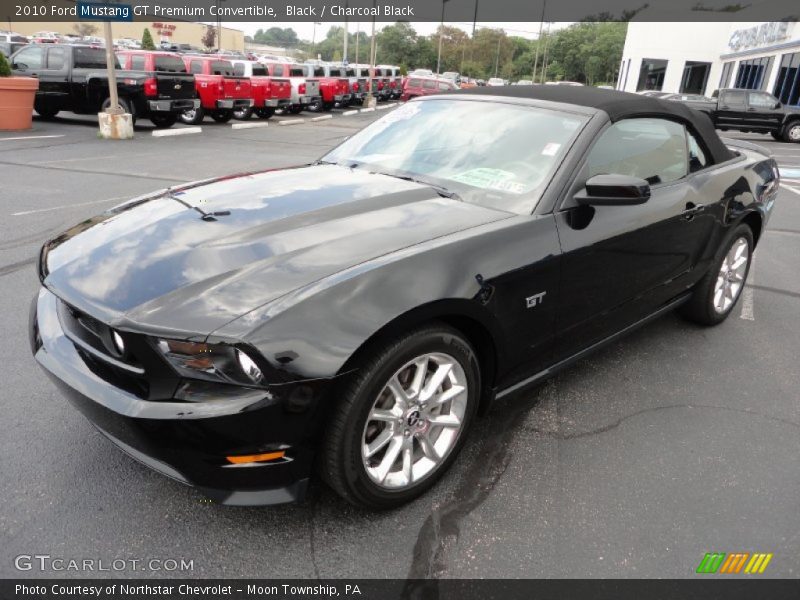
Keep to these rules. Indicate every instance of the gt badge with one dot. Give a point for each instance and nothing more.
(535, 300)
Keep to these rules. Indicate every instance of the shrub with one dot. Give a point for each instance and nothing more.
(5, 68)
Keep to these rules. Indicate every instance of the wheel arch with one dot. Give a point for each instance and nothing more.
(476, 324)
(755, 222)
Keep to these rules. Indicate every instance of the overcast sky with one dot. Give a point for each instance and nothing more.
(305, 31)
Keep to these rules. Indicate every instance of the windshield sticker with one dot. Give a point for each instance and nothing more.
(550, 149)
(491, 179)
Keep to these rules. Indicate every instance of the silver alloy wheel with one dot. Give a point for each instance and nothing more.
(794, 132)
(415, 421)
(730, 279)
(189, 115)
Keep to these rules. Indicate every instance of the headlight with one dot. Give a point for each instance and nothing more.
(214, 362)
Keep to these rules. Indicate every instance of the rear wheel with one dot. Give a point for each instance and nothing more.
(163, 120)
(791, 133)
(243, 114)
(124, 104)
(44, 111)
(222, 116)
(296, 110)
(402, 418)
(717, 293)
(265, 112)
(193, 116)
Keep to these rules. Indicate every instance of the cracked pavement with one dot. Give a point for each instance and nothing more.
(668, 444)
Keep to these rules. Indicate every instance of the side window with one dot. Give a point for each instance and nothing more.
(414, 83)
(56, 58)
(697, 157)
(732, 100)
(137, 62)
(651, 149)
(443, 87)
(277, 71)
(29, 59)
(429, 84)
(761, 100)
(238, 70)
(196, 67)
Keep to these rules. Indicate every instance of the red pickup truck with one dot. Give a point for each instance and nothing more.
(220, 91)
(332, 89)
(269, 93)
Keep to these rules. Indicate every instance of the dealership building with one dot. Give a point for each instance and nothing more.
(699, 58)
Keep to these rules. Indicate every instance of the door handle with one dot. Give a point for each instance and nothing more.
(692, 209)
(751, 110)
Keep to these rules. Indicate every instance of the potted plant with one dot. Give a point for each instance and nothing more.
(16, 98)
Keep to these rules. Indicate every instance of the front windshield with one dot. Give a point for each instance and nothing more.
(499, 155)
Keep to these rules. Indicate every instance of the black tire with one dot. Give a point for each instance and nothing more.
(222, 115)
(193, 116)
(700, 306)
(296, 110)
(791, 132)
(341, 464)
(265, 112)
(776, 135)
(45, 112)
(328, 106)
(163, 120)
(125, 104)
(243, 114)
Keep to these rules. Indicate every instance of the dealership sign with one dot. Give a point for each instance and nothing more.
(760, 35)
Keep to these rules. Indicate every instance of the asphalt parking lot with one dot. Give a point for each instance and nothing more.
(671, 443)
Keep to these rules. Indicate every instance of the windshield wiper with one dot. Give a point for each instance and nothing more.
(441, 190)
(205, 216)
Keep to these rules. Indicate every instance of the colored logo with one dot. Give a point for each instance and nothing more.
(735, 562)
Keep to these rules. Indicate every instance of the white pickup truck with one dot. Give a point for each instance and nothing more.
(305, 90)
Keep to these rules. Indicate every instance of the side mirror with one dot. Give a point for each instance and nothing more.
(777, 105)
(614, 190)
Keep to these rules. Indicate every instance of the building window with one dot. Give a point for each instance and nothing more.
(695, 77)
(787, 84)
(754, 73)
(651, 75)
(725, 78)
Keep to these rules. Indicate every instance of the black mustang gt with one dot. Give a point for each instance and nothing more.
(354, 315)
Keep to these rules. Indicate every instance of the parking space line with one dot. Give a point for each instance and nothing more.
(248, 125)
(173, 132)
(41, 210)
(30, 137)
(791, 189)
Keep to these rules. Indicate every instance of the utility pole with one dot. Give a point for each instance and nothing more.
(346, 35)
(544, 58)
(371, 99)
(358, 35)
(441, 34)
(475, 19)
(538, 42)
(497, 54)
(113, 108)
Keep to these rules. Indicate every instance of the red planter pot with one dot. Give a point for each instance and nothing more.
(16, 102)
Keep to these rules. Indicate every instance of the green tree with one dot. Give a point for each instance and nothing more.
(84, 29)
(147, 40)
(209, 39)
(277, 36)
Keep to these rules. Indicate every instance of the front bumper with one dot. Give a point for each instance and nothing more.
(188, 441)
(173, 106)
(234, 103)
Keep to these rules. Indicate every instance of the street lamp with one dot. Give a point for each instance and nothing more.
(441, 33)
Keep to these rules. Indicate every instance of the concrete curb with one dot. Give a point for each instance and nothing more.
(367, 110)
(173, 132)
(292, 122)
(322, 118)
(347, 113)
(248, 125)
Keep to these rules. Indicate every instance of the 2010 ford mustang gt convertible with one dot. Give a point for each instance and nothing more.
(352, 317)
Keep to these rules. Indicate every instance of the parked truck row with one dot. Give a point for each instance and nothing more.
(165, 87)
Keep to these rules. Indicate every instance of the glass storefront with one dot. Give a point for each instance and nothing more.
(754, 73)
(651, 75)
(695, 77)
(787, 83)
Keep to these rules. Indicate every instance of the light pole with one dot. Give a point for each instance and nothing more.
(539, 41)
(344, 51)
(475, 19)
(497, 55)
(441, 34)
(358, 35)
(314, 39)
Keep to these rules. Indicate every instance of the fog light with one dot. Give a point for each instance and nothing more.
(119, 343)
(249, 367)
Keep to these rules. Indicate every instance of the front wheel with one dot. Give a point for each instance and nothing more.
(402, 418)
(124, 104)
(265, 112)
(776, 135)
(193, 116)
(44, 111)
(243, 114)
(296, 110)
(222, 116)
(163, 121)
(791, 133)
(717, 293)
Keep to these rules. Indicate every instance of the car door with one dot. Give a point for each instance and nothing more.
(54, 84)
(764, 111)
(621, 263)
(732, 109)
(29, 61)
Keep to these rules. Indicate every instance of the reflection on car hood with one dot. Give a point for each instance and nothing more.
(157, 265)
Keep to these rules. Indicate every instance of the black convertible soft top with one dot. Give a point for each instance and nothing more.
(617, 105)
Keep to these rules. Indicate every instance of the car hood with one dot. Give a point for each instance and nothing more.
(156, 265)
